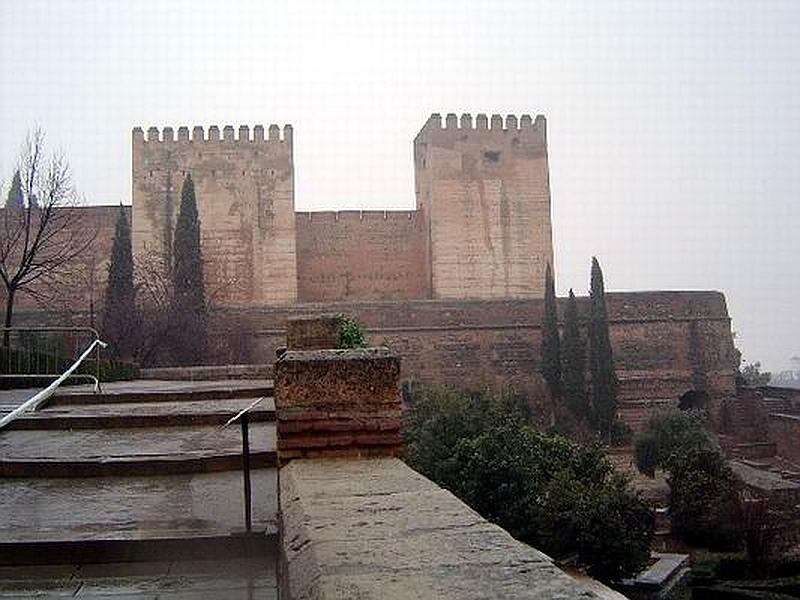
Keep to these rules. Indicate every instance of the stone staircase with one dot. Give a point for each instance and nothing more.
(144, 471)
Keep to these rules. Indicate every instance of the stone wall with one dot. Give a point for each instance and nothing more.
(665, 343)
(375, 529)
(784, 430)
(486, 190)
(366, 255)
(245, 197)
(81, 287)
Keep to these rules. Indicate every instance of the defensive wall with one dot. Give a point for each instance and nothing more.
(665, 343)
(481, 228)
(244, 187)
(370, 255)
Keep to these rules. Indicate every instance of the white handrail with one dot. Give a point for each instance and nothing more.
(40, 397)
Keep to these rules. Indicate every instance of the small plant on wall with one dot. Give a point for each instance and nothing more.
(350, 333)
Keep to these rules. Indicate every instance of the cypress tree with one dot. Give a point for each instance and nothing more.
(119, 308)
(189, 302)
(551, 351)
(573, 349)
(15, 198)
(604, 377)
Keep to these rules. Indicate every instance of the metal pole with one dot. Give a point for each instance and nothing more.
(248, 522)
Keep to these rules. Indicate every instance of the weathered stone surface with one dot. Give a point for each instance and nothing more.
(338, 403)
(377, 529)
(313, 332)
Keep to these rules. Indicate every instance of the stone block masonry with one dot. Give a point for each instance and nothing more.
(374, 529)
(338, 403)
(313, 332)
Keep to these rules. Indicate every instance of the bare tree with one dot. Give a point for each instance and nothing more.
(40, 238)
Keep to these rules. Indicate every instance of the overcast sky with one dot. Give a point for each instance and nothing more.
(674, 127)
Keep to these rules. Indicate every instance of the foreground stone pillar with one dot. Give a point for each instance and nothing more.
(337, 403)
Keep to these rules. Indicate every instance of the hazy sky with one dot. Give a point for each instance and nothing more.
(674, 127)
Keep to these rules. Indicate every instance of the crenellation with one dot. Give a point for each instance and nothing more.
(481, 122)
(244, 133)
(198, 135)
(466, 121)
(227, 133)
(511, 123)
(183, 133)
(168, 135)
(138, 135)
(497, 122)
(152, 134)
(525, 122)
(451, 121)
(287, 134)
(213, 133)
(274, 133)
(258, 133)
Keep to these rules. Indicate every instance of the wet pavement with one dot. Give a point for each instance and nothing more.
(143, 471)
(239, 579)
(133, 508)
(139, 442)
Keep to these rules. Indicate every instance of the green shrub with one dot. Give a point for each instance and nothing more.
(350, 333)
(544, 489)
(704, 491)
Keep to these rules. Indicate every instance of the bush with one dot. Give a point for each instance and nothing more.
(544, 489)
(704, 491)
(350, 334)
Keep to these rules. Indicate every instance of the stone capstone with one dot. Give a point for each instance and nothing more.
(374, 528)
(338, 403)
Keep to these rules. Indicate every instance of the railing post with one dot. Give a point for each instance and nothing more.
(248, 521)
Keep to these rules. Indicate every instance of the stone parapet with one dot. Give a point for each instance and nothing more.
(313, 332)
(338, 403)
(376, 529)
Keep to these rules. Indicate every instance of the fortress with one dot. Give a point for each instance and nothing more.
(481, 228)
(455, 286)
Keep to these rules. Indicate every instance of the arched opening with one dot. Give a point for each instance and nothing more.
(693, 399)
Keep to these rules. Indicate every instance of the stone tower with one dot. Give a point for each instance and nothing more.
(245, 194)
(485, 188)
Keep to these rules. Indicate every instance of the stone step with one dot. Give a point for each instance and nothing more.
(133, 451)
(163, 392)
(131, 518)
(143, 414)
(204, 579)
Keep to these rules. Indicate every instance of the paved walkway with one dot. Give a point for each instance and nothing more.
(140, 442)
(132, 508)
(241, 579)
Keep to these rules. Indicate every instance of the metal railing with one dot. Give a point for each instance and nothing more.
(45, 352)
(34, 402)
(243, 416)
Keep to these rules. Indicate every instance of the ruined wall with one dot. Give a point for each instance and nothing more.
(486, 191)
(245, 195)
(680, 343)
(784, 430)
(367, 255)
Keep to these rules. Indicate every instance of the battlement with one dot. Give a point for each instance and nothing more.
(509, 124)
(352, 216)
(244, 135)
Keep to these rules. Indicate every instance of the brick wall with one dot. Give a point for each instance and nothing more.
(685, 344)
(365, 255)
(82, 288)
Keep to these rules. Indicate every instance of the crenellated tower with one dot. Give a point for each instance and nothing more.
(244, 183)
(485, 188)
